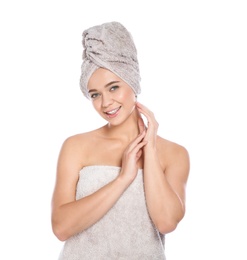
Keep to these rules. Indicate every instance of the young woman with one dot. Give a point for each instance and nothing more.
(120, 188)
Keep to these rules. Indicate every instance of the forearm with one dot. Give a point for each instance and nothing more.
(164, 205)
(76, 216)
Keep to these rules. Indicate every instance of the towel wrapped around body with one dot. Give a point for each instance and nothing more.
(126, 232)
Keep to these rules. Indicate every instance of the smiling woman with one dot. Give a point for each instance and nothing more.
(119, 188)
(113, 97)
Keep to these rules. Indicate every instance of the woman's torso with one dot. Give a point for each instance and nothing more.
(127, 225)
(125, 232)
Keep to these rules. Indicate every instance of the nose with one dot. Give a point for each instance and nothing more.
(106, 100)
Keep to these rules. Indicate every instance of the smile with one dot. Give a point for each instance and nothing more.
(113, 112)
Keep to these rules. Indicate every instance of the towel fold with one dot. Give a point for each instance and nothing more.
(110, 46)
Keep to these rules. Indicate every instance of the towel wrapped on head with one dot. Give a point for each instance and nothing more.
(110, 46)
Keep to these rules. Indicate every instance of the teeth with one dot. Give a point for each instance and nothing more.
(113, 111)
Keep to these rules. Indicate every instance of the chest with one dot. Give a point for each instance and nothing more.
(105, 153)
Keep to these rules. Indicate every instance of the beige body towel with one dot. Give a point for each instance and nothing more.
(125, 232)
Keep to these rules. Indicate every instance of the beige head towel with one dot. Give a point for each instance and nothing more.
(110, 46)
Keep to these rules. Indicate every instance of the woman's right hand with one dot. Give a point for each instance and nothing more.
(131, 156)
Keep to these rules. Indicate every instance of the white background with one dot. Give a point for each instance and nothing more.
(193, 63)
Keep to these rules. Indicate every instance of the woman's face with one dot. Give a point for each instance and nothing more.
(112, 98)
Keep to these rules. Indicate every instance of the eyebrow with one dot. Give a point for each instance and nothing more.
(107, 85)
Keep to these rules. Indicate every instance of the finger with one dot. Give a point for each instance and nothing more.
(138, 147)
(141, 125)
(142, 107)
(139, 154)
(144, 110)
(138, 139)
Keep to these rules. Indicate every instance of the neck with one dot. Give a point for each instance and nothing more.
(127, 131)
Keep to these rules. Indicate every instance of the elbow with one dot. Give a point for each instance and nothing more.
(59, 234)
(166, 227)
(167, 224)
(59, 231)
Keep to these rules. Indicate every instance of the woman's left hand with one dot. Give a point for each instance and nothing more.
(152, 125)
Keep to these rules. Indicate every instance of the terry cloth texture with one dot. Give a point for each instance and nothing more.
(126, 232)
(110, 46)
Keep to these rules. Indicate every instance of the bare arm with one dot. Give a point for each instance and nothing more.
(70, 216)
(165, 192)
(164, 189)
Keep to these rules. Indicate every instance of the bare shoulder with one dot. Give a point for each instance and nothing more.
(82, 140)
(172, 153)
(171, 147)
(78, 139)
(77, 146)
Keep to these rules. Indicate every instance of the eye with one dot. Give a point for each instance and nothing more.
(113, 88)
(94, 95)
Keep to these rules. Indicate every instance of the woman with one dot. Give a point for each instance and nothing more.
(119, 188)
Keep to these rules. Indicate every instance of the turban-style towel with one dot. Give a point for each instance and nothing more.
(110, 46)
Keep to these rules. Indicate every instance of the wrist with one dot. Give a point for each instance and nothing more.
(150, 147)
(123, 180)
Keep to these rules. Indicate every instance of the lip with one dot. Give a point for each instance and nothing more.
(113, 112)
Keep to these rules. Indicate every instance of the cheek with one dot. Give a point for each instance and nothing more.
(128, 96)
(96, 105)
